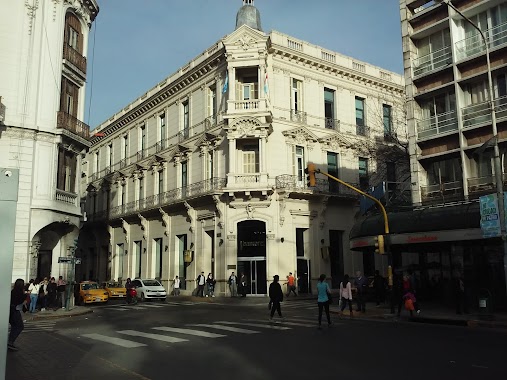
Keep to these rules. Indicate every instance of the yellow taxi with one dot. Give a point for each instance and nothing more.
(90, 291)
(114, 289)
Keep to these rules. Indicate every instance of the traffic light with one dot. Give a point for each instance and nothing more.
(379, 244)
(310, 174)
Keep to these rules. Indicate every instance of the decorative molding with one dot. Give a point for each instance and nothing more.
(191, 215)
(216, 199)
(32, 10)
(250, 211)
(126, 229)
(167, 221)
(144, 226)
(55, 3)
(231, 237)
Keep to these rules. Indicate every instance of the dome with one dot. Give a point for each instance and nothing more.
(248, 15)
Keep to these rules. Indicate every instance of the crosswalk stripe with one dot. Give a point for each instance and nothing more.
(135, 307)
(163, 338)
(288, 323)
(116, 341)
(189, 332)
(254, 325)
(152, 305)
(228, 328)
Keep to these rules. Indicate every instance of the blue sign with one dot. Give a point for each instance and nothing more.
(490, 216)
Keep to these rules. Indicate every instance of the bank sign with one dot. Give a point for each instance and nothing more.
(490, 216)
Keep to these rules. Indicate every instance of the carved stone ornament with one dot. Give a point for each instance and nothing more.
(144, 226)
(126, 230)
(245, 41)
(191, 215)
(300, 136)
(32, 7)
(167, 221)
(250, 211)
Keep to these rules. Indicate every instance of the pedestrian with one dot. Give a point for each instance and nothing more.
(243, 281)
(33, 290)
(201, 281)
(323, 299)
(275, 297)
(43, 292)
(128, 286)
(52, 291)
(18, 302)
(27, 285)
(380, 287)
(459, 287)
(210, 281)
(346, 294)
(233, 281)
(409, 285)
(60, 286)
(177, 283)
(291, 285)
(361, 284)
(409, 300)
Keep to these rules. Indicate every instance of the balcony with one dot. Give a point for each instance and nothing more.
(247, 181)
(210, 122)
(332, 124)
(298, 116)
(442, 192)
(183, 134)
(66, 197)
(72, 124)
(242, 106)
(169, 197)
(433, 61)
(362, 130)
(473, 45)
(481, 184)
(293, 183)
(74, 57)
(476, 114)
(438, 124)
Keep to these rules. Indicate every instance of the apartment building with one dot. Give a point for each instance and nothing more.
(452, 135)
(43, 73)
(205, 171)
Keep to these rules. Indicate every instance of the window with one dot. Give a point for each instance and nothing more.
(120, 252)
(123, 194)
(360, 122)
(73, 38)
(142, 135)
(158, 257)
(387, 119)
(161, 181)
(444, 171)
(434, 52)
(66, 176)
(212, 104)
(110, 154)
(299, 167)
(69, 97)
(250, 158)
(186, 119)
(125, 146)
(97, 157)
(297, 96)
(162, 131)
(141, 188)
(332, 168)
(138, 246)
(209, 165)
(329, 107)
(363, 173)
(184, 178)
(391, 171)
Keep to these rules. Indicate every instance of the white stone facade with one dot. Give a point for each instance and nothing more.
(40, 129)
(208, 166)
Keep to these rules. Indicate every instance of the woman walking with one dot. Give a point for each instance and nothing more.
(323, 299)
(346, 294)
(33, 289)
(18, 301)
(210, 281)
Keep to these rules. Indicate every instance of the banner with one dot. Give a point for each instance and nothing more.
(490, 218)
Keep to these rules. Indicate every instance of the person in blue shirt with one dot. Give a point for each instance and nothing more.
(323, 292)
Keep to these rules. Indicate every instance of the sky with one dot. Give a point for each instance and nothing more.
(135, 44)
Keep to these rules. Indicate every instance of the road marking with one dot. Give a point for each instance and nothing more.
(189, 332)
(228, 328)
(254, 325)
(286, 322)
(163, 338)
(116, 341)
(152, 305)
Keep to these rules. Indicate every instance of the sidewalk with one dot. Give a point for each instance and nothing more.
(58, 313)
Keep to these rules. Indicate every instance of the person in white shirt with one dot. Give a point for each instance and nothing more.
(177, 286)
(33, 289)
(346, 294)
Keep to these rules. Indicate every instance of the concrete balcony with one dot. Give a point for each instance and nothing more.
(242, 107)
(436, 125)
(433, 61)
(72, 124)
(247, 181)
(66, 197)
(474, 45)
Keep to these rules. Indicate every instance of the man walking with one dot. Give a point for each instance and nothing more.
(201, 281)
(291, 285)
(275, 297)
(232, 281)
(60, 287)
(361, 284)
(177, 286)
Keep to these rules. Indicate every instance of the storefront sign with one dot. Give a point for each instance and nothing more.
(490, 219)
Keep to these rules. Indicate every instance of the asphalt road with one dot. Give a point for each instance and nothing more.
(216, 340)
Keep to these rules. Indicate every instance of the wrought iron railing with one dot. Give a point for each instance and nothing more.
(72, 124)
(183, 134)
(295, 183)
(298, 116)
(76, 58)
(362, 130)
(332, 123)
(210, 122)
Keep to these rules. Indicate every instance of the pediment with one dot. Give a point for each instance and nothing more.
(207, 138)
(300, 135)
(245, 38)
(335, 142)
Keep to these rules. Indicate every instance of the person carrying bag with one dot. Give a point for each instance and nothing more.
(324, 299)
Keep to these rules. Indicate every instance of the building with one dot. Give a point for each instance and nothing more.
(42, 91)
(205, 171)
(450, 128)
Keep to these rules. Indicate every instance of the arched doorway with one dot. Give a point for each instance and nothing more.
(252, 255)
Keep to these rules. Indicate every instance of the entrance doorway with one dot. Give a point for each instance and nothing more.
(303, 273)
(44, 263)
(255, 270)
(252, 255)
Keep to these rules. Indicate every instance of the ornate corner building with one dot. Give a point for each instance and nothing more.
(205, 171)
(42, 92)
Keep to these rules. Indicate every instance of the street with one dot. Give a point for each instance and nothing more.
(216, 339)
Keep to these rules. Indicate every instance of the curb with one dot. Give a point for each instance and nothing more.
(60, 316)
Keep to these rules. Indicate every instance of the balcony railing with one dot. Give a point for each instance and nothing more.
(298, 116)
(66, 197)
(76, 58)
(72, 124)
(475, 114)
(433, 61)
(332, 123)
(169, 197)
(442, 192)
(435, 125)
(479, 184)
(183, 134)
(239, 106)
(247, 180)
(362, 130)
(473, 45)
(210, 122)
(294, 183)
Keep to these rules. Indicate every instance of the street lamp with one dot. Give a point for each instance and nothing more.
(496, 150)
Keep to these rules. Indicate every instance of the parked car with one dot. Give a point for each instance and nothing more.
(114, 289)
(149, 289)
(90, 291)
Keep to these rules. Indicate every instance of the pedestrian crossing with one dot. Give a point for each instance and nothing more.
(181, 334)
(38, 326)
(147, 306)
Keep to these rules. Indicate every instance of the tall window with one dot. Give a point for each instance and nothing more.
(212, 104)
(97, 157)
(250, 158)
(125, 146)
(387, 119)
(158, 257)
(360, 121)
(162, 131)
(297, 97)
(142, 136)
(363, 173)
(110, 154)
(391, 171)
(161, 181)
(329, 108)
(184, 178)
(186, 119)
(120, 252)
(209, 165)
(299, 164)
(138, 245)
(123, 197)
(445, 171)
(332, 168)
(141, 188)
(73, 38)
(67, 162)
